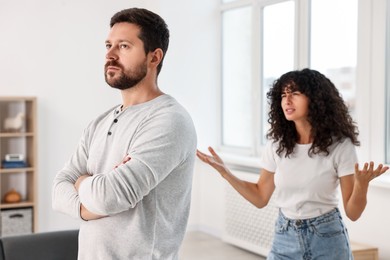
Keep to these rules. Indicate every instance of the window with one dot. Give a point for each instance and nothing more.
(236, 77)
(333, 44)
(263, 39)
(278, 50)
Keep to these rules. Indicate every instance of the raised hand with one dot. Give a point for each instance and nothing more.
(214, 161)
(368, 173)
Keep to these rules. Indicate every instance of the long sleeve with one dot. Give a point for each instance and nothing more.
(146, 200)
(64, 195)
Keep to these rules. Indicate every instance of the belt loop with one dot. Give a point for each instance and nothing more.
(286, 224)
(286, 221)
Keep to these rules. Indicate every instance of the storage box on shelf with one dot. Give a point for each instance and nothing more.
(18, 165)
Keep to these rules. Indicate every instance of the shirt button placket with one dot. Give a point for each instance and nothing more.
(115, 121)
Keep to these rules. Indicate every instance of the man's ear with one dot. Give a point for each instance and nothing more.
(156, 57)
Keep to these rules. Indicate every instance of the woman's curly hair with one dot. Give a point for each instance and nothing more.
(328, 114)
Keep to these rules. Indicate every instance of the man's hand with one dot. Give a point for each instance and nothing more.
(88, 215)
(124, 160)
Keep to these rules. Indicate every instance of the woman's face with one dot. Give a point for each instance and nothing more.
(295, 105)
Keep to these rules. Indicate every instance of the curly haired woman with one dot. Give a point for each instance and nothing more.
(310, 154)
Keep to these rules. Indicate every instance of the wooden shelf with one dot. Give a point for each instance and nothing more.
(16, 170)
(22, 141)
(12, 99)
(27, 134)
(22, 204)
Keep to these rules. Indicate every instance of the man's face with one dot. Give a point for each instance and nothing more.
(126, 63)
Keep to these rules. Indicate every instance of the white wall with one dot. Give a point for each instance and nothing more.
(372, 228)
(54, 49)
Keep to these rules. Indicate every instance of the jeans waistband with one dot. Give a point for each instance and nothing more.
(297, 223)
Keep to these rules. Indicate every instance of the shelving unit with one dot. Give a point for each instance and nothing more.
(18, 217)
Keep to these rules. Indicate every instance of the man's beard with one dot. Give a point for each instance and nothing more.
(127, 79)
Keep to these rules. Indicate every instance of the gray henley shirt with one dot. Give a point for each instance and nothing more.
(147, 199)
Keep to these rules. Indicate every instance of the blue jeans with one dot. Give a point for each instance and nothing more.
(321, 238)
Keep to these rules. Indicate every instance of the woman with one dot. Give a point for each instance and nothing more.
(310, 154)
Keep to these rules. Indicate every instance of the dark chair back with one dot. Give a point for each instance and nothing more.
(56, 245)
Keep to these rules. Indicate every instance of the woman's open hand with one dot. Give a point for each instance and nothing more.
(368, 172)
(214, 161)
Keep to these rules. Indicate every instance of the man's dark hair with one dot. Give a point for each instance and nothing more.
(154, 31)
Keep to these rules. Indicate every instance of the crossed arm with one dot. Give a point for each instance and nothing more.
(84, 212)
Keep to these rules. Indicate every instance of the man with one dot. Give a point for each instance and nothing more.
(130, 177)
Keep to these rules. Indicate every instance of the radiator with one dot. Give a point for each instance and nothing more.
(245, 225)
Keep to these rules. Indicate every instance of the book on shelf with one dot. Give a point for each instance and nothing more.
(13, 164)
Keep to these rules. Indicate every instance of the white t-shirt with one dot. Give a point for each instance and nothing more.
(307, 187)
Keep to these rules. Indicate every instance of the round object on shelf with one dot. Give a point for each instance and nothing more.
(12, 196)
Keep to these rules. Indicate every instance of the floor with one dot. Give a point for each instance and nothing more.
(201, 246)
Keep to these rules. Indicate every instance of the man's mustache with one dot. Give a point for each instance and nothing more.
(113, 63)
